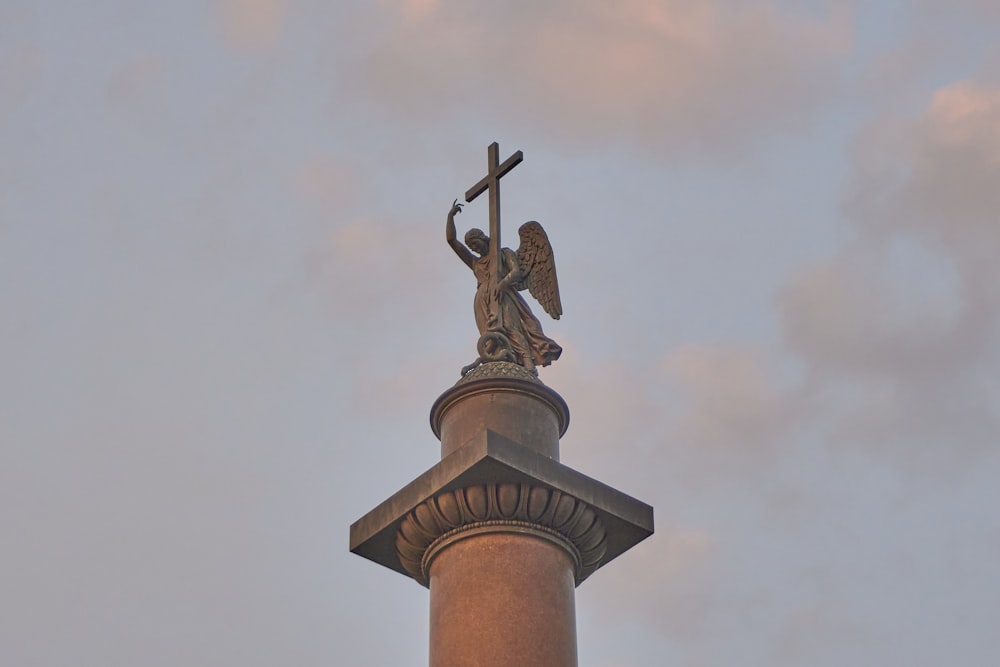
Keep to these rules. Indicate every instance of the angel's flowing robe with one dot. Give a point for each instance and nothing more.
(515, 320)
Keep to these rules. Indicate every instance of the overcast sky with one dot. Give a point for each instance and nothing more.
(227, 305)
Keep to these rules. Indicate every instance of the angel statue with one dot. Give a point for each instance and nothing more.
(508, 331)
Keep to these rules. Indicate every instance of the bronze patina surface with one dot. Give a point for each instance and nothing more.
(508, 330)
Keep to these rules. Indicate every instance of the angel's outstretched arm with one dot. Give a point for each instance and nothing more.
(463, 253)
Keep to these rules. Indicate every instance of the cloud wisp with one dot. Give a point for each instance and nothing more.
(657, 77)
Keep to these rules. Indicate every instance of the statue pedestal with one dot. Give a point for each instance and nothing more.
(499, 530)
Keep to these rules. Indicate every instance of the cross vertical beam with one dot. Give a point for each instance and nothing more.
(491, 182)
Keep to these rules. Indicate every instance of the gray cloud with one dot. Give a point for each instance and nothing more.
(252, 25)
(908, 314)
(223, 327)
(656, 77)
(816, 472)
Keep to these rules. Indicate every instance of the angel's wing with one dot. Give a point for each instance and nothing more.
(539, 268)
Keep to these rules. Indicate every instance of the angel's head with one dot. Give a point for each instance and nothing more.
(477, 241)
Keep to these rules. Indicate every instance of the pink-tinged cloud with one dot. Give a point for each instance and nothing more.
(851, 314)
(419, 9)
(935, 175)
(659, 76)
(252, 25)
(732, 398)
(951, 192)
(898, 331)
(324, 182)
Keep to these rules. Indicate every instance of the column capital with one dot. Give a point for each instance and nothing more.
(492, 459)
(525, 509)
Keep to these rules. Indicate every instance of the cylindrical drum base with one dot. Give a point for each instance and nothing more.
(501, 599)
(504, 398)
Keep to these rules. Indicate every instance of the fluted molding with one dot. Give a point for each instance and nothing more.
(507, 508)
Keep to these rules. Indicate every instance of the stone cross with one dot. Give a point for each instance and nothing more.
(491, 182)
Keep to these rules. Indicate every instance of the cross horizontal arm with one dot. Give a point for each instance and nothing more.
(495, 174)
(477, 189)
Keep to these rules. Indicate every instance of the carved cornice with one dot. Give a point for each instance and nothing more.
(507, 508)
